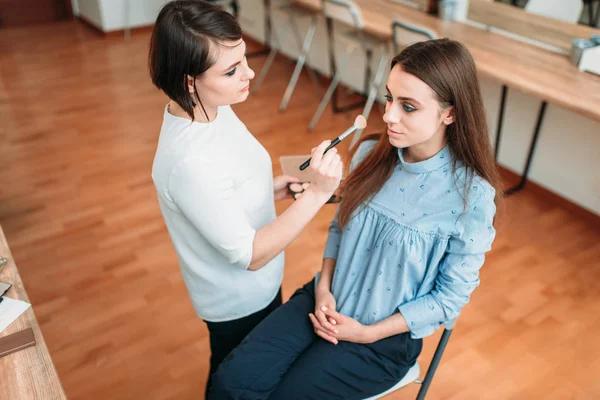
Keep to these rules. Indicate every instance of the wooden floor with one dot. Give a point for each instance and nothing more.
(79, 121)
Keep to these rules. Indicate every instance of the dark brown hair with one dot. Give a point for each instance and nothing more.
(448, 68)
(181, 43)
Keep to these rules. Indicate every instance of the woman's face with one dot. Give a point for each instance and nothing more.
(228, 80)
(412, 112)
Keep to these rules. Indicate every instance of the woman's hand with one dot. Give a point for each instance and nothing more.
(347, 329)
(327, 170)
(324, 327)
(280, 188)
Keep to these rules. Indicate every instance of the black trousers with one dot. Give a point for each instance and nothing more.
(283, 359)
(225, 336)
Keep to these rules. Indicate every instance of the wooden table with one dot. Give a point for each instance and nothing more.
(29, 373)
(532, 70)
(512, 19)
(538, 72)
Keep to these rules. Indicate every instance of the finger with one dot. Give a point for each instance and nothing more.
(332, 313)
(320, 331)
(314, 321)
(332, 321)
(326, 336)
(328, 159)
(333, 167)
(325, 323)
(317, 155)
(340, 169)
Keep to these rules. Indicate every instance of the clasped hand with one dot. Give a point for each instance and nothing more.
(333, 326)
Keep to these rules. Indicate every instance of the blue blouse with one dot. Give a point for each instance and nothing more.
(414, 248)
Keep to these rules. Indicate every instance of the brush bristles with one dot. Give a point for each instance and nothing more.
(360, 122)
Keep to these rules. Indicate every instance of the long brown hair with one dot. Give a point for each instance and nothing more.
(448, 68)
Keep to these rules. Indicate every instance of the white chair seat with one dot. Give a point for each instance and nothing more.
(411, 376)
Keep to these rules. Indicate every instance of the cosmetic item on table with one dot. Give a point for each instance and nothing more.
(447, 9)
(579, 46)
(10, 310)
(16, 341)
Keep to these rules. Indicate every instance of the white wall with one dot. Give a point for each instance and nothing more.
(112, 15)
(90, 10)
(120, 13)
(75, 7)
(567, 157)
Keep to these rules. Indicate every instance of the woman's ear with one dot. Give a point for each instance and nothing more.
(189, 80)
(448, 115)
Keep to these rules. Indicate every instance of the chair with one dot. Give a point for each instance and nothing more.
(413, 373)
(349, 14)
(290, 12)
(399, 26)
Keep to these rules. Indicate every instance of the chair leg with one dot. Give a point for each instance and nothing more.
(336, 80)
(311, 73)
(299, 64)
(269, 61)
(434, 364)
(375, 86)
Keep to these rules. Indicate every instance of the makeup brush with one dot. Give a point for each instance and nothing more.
(359, 123)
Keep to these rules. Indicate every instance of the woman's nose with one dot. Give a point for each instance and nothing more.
(249, 72)
(391, 116)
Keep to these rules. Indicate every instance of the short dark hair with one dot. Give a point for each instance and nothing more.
(180, 46)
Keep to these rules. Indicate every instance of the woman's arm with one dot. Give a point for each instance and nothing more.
(209, 201)
(350, 330)
(277, 235)
(326, 274)
(394, 325)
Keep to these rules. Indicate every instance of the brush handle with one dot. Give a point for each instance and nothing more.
(306, 163)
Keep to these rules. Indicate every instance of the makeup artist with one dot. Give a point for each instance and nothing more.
(214, 179)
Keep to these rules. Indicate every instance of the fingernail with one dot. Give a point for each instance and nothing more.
(324, 308)
(336, 331)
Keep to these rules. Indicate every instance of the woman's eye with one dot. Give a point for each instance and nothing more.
(388, 98)
(408, 108)
(230, 73)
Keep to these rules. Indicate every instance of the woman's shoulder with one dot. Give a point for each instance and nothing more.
(472, 185)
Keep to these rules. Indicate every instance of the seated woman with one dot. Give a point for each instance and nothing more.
(404, 250)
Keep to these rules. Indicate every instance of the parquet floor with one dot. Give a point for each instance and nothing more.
(79, 125)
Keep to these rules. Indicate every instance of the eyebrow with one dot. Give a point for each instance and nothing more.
(235, 64)
(403, 98)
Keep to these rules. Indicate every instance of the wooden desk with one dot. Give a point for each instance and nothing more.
(532, 70)
(28, 373)
(538, 72)
(551, 31)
